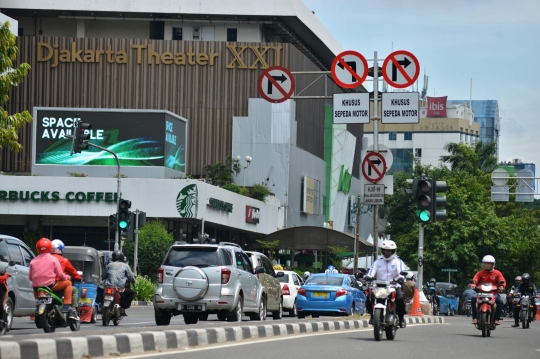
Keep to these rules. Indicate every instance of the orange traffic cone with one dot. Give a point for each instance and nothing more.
(416, 310)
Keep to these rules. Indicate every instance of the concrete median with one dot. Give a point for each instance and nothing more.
(133, 343)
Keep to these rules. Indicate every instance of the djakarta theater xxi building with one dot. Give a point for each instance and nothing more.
(171, 87)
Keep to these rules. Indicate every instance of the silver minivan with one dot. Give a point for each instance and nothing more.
(15, 257)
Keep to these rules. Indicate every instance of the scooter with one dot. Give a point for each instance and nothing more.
(49, 315)
(385, 318)
(111, 306)
(486, 307)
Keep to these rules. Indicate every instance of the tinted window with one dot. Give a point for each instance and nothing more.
(3, 251)
(27, 256)
(296, 280)
(15, 254)
(267, 266)
(198, 257)
(239, 261)
(227, 258)
(247, 263)
(325, 280)
(284, 279)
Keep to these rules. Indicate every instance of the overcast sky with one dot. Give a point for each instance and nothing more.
(494, 42)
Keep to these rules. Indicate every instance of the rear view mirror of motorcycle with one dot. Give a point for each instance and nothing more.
(399, 279)
(403, 273)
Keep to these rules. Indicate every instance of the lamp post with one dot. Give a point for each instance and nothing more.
(248, 162)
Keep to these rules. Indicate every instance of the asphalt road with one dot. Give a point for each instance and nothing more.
(457, 339)
(139, 319)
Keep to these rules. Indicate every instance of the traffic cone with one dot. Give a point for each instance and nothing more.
(416, 310)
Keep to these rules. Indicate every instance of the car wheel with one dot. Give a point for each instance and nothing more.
(279, 313)
(261, 313)
(9, 312)
(293, 312)
(162, 317)
(236, 314)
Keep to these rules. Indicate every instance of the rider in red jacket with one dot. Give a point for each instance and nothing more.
(489, 275)
(67, 268)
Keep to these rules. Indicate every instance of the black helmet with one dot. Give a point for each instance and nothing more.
(117, 256)
(526, 277)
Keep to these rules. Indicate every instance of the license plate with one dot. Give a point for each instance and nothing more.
(320, 294)
(44, 301)
(191, 307)
(85, 300)
(109, 297)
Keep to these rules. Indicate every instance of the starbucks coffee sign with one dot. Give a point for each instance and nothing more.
(220, 205)
(55, 196)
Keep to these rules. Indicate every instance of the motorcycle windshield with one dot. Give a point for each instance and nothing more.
(486, 287)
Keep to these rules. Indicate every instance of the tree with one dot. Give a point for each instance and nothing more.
(10, 76)
(336, 253)
(222, 173)
(269, 245)
(463, 157)
(154, 242)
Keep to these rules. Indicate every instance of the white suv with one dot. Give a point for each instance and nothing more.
(200, 279)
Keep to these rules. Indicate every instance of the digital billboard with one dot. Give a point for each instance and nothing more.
(137, 137)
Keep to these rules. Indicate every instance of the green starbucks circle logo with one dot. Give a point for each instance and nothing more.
(187, 201)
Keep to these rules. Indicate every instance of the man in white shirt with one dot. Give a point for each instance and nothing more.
(387, 267)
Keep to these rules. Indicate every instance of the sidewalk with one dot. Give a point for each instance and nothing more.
(113, 345)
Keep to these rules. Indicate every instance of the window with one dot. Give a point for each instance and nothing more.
(248, 266)
(3, 251)
(296, 280)
(232, 35)
(177, 33)
(239, 261)
(157, 30)
(196, 32)
(267, 266)
(284, 279)
(15, 253)
(227, 258)
(408, 136)
(417, 152)
(200, 257)
(392, 136)
(27, 256)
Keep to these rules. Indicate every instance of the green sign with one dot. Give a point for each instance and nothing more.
(448, 270)
(55, 196)
(220, 205)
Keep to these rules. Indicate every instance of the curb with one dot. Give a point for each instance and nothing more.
(141, 303)
(133, 343)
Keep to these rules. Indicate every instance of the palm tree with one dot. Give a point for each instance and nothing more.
(463, 157)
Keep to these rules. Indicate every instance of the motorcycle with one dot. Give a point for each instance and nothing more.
(430, 296)
(4, 322)
(468, 308)
(485, 304)
(49, 315)
(111, 306)
(525, 305)
(385, 316)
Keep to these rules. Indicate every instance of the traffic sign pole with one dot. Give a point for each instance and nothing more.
(376, 148)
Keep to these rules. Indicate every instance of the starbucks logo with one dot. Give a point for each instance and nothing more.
(187, 201)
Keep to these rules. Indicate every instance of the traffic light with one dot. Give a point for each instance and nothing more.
(130, 231)
(413, 191)
(112, 222)
(80, 136)
(424, 191)
(439, 204)
(124, 215)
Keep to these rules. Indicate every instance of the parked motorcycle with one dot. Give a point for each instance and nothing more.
(525, 305)
(468, 308)
(385, 318)
(49, 315)
(111, 306)
(485, 304)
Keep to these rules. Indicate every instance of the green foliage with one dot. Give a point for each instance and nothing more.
(260, 192)
(232, 187)
(121, 176)
(222, 173)
(244, 192)
(76, 174)
(270, 246)
(475, 225)
(154, 242)
(144, 289)
(334, 252)
(10, 76)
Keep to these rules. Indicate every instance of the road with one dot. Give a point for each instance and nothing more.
(138, 319)
(457, 339)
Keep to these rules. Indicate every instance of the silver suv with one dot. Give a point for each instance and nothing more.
(15, 257)
(200, 279)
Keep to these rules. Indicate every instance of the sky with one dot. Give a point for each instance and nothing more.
(494, 42)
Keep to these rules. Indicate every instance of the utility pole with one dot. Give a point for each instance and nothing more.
(420, 281)
(136, 250)
(357, 234)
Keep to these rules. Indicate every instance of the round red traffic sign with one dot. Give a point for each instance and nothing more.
(349, 69)
(374, 167)
(401, 69)
(276, 84)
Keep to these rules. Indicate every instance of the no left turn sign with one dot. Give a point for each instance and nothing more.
(401, 69)
(276, 84)
(374, 167)
(349, 69)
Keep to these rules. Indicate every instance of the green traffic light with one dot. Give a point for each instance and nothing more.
(123, 224)
(424, 216)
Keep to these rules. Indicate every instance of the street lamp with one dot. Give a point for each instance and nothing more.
(248, 162)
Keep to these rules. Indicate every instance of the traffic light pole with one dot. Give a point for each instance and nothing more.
(136, 250)
(375, 119)
(118, 193)
(420, 278)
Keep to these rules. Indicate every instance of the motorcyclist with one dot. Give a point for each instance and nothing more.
(434, 290)
(67, 268)
(388, 267)
(488, 274)
(526, 288)
(118, 274)
(306, 276)
(43, 271)
(469, 293)
(511, 294)
(409, 285)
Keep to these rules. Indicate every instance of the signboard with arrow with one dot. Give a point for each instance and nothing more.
(374, 167)
(400, 69)
(276, 84)
(349, 69)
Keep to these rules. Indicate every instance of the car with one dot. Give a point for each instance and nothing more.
(269, 280)
(290, 283)
(15, 257)
(196, 280)
(330, 294)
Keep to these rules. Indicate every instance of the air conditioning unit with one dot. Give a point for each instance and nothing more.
(196, 32)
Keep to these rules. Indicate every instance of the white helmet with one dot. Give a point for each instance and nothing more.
(57, 246)
(489, 259)
(409, 275)
(388, 244)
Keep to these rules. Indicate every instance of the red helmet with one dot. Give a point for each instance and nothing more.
(44, 245)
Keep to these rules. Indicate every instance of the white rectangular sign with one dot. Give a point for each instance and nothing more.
(374, 194)
(351, 108)
(400, 107)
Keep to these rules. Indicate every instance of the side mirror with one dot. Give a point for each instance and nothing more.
(11, 263)
(280, 274)
(259, 270)
(404, 273)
